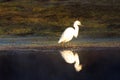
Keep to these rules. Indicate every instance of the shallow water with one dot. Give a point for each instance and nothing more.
(97, 64)
(31, 41)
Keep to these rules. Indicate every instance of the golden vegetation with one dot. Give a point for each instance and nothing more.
(23, 18)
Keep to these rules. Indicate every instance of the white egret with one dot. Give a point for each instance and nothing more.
(70, 32)
(71, 58)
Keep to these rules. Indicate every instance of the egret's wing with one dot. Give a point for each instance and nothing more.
(67, 35)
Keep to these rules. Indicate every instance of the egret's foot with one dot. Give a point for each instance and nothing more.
(62, 45)
(69, 44)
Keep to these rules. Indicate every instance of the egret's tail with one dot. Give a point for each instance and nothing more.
(59, 41)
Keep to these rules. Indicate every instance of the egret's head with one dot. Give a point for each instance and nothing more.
(77, 23)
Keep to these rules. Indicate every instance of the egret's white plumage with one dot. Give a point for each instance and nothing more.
(71, 58)
(68, 55)
(77, 65)
(70, 32)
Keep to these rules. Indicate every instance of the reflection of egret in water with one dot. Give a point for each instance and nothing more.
(70, 58)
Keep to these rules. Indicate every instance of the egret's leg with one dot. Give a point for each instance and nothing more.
(68, 44)
(62, 44)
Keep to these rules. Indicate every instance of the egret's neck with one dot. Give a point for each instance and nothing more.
(76, 30)
(77, 65)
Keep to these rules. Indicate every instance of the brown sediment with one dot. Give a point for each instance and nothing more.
(58, 48)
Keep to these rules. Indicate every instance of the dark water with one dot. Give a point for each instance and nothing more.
(98, 64)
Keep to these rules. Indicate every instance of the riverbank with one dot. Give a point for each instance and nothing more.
(54, 48)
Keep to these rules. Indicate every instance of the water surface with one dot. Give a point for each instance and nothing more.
(97, 64)
(43, 41)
